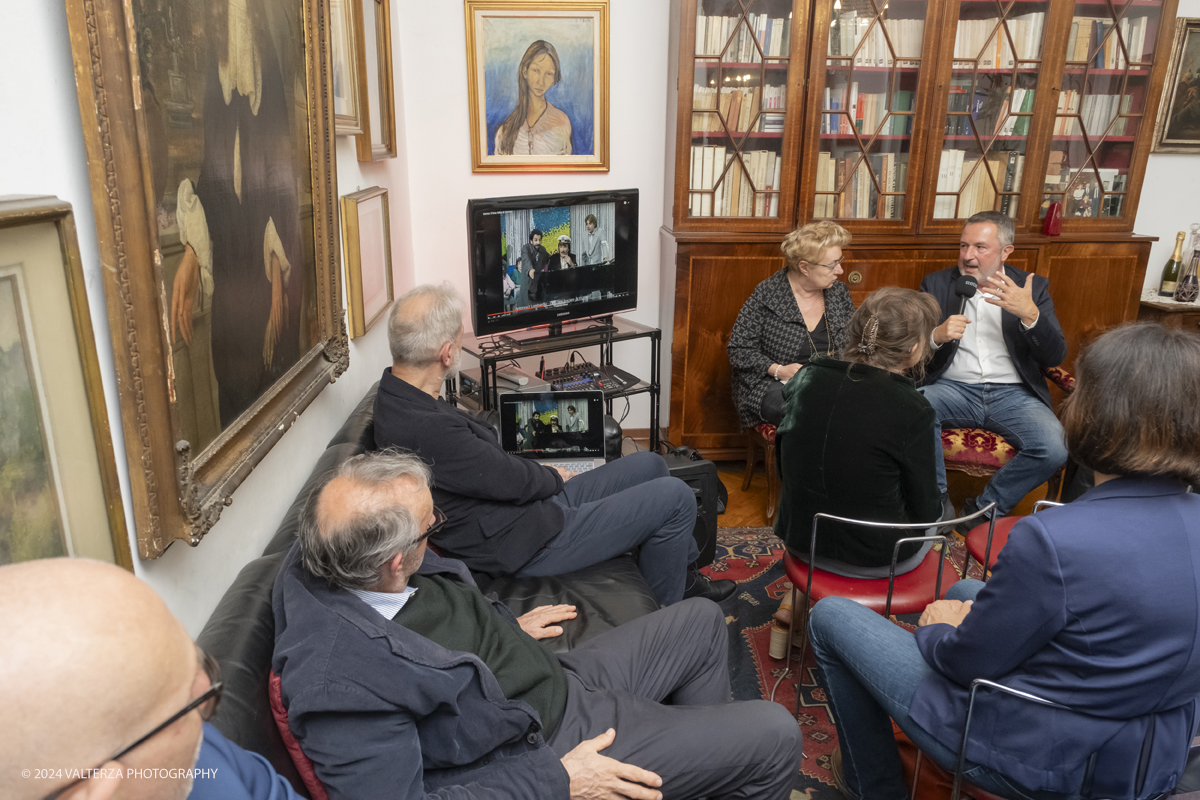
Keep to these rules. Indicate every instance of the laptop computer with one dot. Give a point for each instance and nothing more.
(559, 429)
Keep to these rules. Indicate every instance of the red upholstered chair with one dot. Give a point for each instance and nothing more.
(304, 764)
(984, 543)
(899, 594)
(982, 453)
(762, 437)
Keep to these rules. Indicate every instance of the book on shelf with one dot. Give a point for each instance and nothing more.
(846, 186)
(722, 185)
(983, 40)
(1093, 41)
(758, 34)
(863, 38)
(988, 182)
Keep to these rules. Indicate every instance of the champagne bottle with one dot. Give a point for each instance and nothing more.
(1170, 274)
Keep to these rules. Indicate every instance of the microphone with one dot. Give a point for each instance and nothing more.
(965, 287)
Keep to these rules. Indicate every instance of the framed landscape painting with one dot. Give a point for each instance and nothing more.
(210, 136)
(1177, 129)
(59, 494)
(537, 73)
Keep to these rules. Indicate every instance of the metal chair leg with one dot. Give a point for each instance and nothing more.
(916, 774)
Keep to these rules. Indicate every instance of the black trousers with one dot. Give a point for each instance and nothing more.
(771, 407)
(662, 682)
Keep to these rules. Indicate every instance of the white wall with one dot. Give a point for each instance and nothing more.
(432, 50)
(1169, 191)
(42, 143)
(429, 185)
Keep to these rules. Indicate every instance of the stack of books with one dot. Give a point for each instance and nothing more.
(850, 182)
(759, 36)
(988, 182)
(722, 188)
(983, 40)
(868, 111)
(846, 39)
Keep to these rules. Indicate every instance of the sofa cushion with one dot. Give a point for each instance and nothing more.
(359, 427)
(604, 595)
(240, 635)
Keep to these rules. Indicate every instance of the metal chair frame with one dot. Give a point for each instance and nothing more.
(987, 552)
(988, 510)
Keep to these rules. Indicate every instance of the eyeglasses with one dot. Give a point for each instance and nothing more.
(206, 704)
(439, 522)
(830, 267)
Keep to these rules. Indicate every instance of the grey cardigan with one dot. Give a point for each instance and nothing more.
(770, 329)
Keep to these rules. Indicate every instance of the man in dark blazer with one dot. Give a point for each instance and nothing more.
(507, 515)
(402, 680)
(990, 353)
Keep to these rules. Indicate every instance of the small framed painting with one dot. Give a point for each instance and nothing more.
(366, 237)
(349, 74)
(537, 73)
(1177, 129)
(61, 496)
(379, 140)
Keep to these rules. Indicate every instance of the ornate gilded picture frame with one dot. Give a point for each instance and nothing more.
(61, 494)
(1177, 128)
(378, 141)
(209, 133)
(537, 76)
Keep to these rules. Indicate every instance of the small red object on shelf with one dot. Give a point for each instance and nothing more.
(1052, 225)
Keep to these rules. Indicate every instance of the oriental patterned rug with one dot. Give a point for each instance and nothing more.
(753, 558)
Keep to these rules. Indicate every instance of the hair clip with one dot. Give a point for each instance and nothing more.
(867, 345)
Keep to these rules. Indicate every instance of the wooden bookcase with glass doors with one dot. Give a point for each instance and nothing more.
(899, 119)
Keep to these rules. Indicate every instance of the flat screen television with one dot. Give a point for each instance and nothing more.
(584, 263)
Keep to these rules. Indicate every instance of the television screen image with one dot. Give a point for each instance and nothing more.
(548, 259)
(548, 424)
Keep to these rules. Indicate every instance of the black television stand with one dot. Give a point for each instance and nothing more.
(592, 326)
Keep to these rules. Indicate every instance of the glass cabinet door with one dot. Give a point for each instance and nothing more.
(1103, 109)
(740, 108)
(867, 89)
(989, 106)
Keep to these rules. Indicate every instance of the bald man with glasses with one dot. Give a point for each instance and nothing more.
(103, 695)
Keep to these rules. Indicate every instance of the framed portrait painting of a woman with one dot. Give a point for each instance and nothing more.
(538, 85)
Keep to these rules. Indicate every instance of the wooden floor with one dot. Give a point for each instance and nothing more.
(749, 508)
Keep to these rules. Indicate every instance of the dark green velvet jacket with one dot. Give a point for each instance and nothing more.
(858, 442)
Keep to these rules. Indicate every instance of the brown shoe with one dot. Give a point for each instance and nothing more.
(835, 772)
(784, 614)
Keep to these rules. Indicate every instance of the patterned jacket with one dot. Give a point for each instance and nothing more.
(770, 329)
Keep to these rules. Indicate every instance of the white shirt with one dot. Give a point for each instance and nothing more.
(386, 603)
(982, 356)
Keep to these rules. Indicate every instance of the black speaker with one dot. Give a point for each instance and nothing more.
(701, 476)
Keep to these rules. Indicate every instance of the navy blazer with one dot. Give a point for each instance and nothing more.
(1094, 605)
(384, 712)
(497, 506)
(1041, 347)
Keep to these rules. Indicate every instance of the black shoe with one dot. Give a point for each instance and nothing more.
(699, 586)
(969, 508)
(948, 512)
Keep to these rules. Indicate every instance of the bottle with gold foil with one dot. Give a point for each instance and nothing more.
(1170, 273)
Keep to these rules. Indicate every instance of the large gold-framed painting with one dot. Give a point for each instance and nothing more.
(59, 492)
(209, 134)
(537, 83)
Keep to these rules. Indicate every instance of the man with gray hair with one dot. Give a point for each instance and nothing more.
(507, 515)
(400, 679)
(990, 353)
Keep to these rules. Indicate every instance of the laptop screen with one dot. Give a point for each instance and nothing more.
(553, 424)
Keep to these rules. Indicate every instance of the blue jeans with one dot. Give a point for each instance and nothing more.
(872, 670)
(1015, 413)
(611, 510)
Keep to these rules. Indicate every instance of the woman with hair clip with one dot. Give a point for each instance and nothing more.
(535, 127)
(854, 442)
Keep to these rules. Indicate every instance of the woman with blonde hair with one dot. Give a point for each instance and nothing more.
(854, 442)
(535, 127)
(800, 311)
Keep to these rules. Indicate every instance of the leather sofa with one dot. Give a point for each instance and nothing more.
(240, 634)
